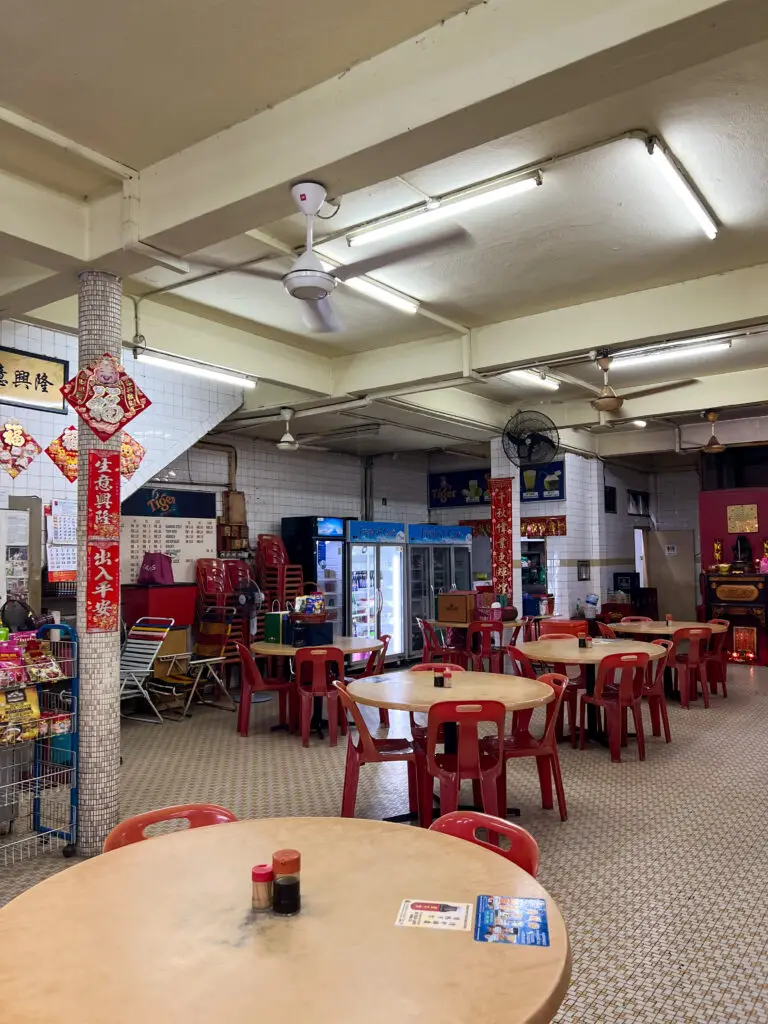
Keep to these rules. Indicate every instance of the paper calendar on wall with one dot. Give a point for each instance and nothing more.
(183, 540)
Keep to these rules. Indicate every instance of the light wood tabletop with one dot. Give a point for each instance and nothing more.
(346, 644)
(568, 652)
(440, 624)
(163, 931)
(662, 628)
(416, 691)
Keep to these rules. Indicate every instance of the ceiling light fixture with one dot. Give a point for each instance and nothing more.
(532, 378)
(444, 208)
(682, 186)
(639, 423)
(378, 292)
(669, 352)
(194, 369)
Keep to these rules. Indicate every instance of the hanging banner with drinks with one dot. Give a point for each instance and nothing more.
(543, 483)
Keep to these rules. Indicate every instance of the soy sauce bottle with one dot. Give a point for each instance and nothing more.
(286, 887)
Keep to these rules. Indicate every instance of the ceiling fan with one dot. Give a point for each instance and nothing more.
(290, 443)
(713, 446)
(608, 400)
(310, 282)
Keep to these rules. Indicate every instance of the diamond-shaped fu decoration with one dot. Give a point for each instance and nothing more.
(63, 452)
(131, 454)
(105, 397)
(17, 448)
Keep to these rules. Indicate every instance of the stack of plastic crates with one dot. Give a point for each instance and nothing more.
(280, 581)
(38, 773)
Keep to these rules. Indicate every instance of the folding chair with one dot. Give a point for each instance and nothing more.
(205, 663)
(137, 661)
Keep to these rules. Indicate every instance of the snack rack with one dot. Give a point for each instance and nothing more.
(38, 777)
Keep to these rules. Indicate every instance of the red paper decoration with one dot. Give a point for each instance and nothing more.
(105, 397)
(63, 451)
(102, 598)
(131, 454)
(501, 535)
(103, 508)
(18, 449)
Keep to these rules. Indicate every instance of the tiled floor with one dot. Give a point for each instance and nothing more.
(661, 870)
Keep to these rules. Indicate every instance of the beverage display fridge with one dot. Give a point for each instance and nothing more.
(318, 545)
(439, 559)
(377, 598)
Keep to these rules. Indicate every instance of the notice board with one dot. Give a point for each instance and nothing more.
(183, 540)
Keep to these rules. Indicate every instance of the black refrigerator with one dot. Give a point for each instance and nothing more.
(318, 545)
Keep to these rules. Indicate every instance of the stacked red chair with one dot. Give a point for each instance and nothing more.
(278, 578)
(219, 584)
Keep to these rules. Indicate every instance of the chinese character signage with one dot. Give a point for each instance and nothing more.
(501, 535)
(105, 397)
(102, 600)
(457, 490)
(17, 448)
(103, 511)
(543, 483)
(32, 381)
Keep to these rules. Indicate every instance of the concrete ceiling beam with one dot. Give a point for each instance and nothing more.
(41, 226)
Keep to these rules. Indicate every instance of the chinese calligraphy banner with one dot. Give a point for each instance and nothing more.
(105, 397)
(501, 535)
(102, 596)
(32, 381)
(103, 510)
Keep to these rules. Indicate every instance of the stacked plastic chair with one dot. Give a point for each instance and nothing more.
(219, 581)
(281, 581)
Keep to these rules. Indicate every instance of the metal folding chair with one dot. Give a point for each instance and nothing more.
(137, 661)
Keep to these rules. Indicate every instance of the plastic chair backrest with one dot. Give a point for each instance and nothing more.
(211, 575)
(434, 666)
(559, 683)
(468, 716)
(252, 677)
(657, 667)
(636, 618)
(375, 664)
(698, 638)
(365, 739)
(428, 634)
(132, 829)
(573, 627)
(606, 631)
(560, 636)
(314, 662)
(717, 641)
(630, 669)
(521, 663)
(523, 850)
(489, 635)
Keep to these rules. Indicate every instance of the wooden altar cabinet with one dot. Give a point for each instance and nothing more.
(742, 598)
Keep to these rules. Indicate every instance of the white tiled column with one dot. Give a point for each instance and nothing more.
(99, 300)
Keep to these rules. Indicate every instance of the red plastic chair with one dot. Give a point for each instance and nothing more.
(619, 688)
(576, 683)
(716, 657)
(636, 618)
(653, 691)
(484, 644)
(132, 830)
(606, 631)
(433, 650)
(523, 848)
(520, 743)
(252, 681)
(563, 627)
(374, 667)
(691, 666)
(316, 669)
(371, 750)
(419, 732)
(483, 766)
(521, 665)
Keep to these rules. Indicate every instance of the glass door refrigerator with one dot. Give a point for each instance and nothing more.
(317, 544)
(376, 575)
(439, 559)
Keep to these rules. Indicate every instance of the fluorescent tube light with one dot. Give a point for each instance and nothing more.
(444, 209)
(532, 379)
(639, 423)
(661, 355)
(195, 370)
(683, 187)
(384, 295)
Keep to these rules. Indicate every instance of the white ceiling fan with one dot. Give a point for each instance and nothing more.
(608, 400)
(290, 443)
(310, 282)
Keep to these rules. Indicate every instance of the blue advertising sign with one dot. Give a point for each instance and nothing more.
(543, 483)
(376, 533)
(328, 527)
(161, 502)
(426, 533)
(467, 487)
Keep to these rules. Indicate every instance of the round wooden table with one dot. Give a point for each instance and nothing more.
(163, 931)
(568, 652)
(346, 644)
(662, 628)
(415, 691)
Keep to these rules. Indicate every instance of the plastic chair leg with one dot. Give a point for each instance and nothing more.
(665, 719)
(425, 784)
(654, 706)
(613, 726)
(449, 795)
(384, 718)
(683, 682)
(490, 797)
(637, 715)
(333, 718)
(306, 716)
(413, 788)
(702, 674)
(558, 777)
(244, 709)
(351, 776)
(545, 781)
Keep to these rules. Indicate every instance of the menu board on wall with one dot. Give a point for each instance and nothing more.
(183, 540)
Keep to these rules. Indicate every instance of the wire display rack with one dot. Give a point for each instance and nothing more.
(38, 777)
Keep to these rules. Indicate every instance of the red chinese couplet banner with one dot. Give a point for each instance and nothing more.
(103, 545)
(501, 535)
(103, 518)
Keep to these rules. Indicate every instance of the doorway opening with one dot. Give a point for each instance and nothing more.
(640, 556)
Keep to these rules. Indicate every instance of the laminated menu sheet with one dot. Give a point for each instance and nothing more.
(514, 920)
